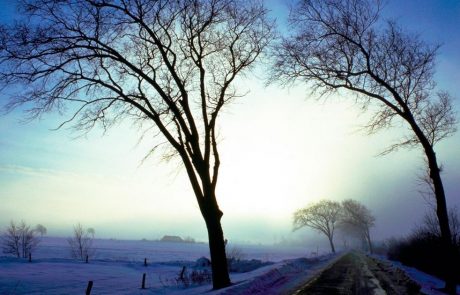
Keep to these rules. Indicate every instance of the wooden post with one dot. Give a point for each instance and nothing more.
(89, 287)
(145, 261)
(143, 281)
(30, 257)
(86, 259)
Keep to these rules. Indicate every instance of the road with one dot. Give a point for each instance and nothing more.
(357, 273)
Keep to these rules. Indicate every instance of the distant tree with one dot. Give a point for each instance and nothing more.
(41, 229)
(11, 240)
(348, 234)
(19, 239)
(168, 65)
(322, 216)
(81, 244)
(335, 44)
(357, 219)
(91, 231)
(29, 239)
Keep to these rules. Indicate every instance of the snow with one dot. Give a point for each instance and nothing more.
(117, 268)
(429, 283)
(282, 278)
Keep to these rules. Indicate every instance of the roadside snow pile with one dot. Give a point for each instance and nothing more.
(430, 284)
(246, 265)
(279, 278)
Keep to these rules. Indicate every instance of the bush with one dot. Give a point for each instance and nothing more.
(424, 251)
(234, 255)
(195, 277)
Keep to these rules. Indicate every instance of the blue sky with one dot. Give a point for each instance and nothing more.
(280, 151)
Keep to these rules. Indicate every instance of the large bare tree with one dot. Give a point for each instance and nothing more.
(169, 64)
(336, 44)
(322, 216)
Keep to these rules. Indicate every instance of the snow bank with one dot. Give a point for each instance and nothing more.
(429, 283)
(280, 278)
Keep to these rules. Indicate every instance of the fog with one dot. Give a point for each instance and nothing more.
(281, 149)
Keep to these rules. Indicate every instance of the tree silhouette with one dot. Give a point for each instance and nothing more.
(81, 243)
(11, 240)
(169, 65)
(322, 216)
(19, 239)
(41, 229)
(358, 218)
(338, 45)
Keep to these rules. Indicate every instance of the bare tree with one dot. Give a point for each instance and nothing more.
(430, 225)
(168, 65)
(19, 240)
(339, 44)
(91, 231)
(426, 188)
(81, 244)
(29, 240)
(355, 217)
(322, 216)
(11, 240)
(40, 229)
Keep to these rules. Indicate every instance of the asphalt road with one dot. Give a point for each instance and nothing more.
(357, 273)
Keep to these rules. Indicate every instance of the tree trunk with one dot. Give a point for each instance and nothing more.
(220, 276)
(441, 209)
(332, 244)
(443, 217)
(212, 215)
(369, 242)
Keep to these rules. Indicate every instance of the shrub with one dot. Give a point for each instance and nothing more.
(234, 255)
(424, 251)
(195, 277)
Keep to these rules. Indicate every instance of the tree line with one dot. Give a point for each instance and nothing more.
(350, 217)
(171, 67)
(20, 240)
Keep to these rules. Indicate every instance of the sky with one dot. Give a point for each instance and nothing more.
(281, 149)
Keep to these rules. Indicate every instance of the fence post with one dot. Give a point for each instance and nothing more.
(143, 281)
(182, 273)
(145, 261)
(86, 259)
(30, 257)
(89, 287)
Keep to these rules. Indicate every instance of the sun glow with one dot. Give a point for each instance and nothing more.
(278, 156)
(279, 151)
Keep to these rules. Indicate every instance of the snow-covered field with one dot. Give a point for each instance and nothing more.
(118, 266)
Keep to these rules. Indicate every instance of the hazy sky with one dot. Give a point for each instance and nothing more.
(280, 150)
